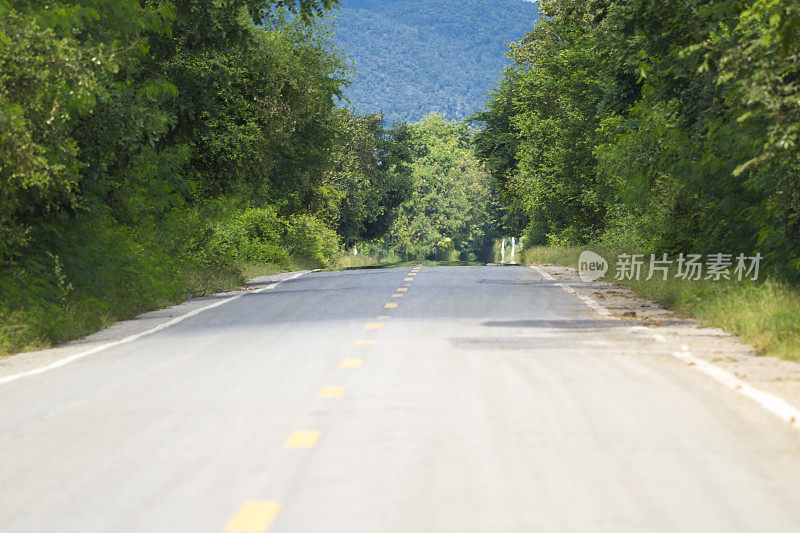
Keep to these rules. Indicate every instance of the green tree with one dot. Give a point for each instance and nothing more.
(447, 214)
(654, 126)
(150, 147)
(369, 177)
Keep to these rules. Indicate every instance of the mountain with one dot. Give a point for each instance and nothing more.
(414, 57)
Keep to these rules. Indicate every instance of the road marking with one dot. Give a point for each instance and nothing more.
(384, 317)
(411, 274)
(302, 440)
(409, 279)
(373, 325)
(364, 343)
(397, 295)
(402, 289)
(590, 302)
(585, 299)
(542, 273)
(774, 404)
(254, 517)
(273, 285)
(390, 305)
(350, 363)
(331, 392)
(136, 336)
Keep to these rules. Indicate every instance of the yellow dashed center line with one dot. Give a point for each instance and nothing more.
(254, 517)
(258, 516)
(331, 392)
(302, 439)
(384, 317)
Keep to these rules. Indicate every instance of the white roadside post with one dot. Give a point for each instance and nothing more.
(503, 251)
(513, 249)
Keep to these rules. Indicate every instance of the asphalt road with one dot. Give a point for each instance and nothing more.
(486, 400)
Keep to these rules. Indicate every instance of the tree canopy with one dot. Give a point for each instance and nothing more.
(446, 216)
(153, 148)
(652, 125)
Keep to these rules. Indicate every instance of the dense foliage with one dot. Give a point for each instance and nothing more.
(414, 57)
(655, 126)
(369, 176)
(153, 147)
(447, 216)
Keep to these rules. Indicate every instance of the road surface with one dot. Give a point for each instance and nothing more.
(452, 399)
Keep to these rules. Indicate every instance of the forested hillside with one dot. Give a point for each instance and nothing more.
(154, 149)
(414, 57)
(653, 126)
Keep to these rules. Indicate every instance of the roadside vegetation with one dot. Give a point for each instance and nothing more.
(653, 126)
(154, 149)
(446, 216)
(659, 127)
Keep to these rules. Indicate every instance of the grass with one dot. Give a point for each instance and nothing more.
(254, 270)
(360, 261)
(346, 261)
(765, 314)
(39, 321)
(349, 262)
(401, 264)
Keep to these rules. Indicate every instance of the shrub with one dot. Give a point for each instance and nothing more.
(310, 239)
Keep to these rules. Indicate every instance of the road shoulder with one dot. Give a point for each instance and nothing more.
(23, 362)
(682, 335)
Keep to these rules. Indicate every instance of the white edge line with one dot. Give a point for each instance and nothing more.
(136, 336)
(773, 404)
(586, 299)
(591, 302)
(541, 272)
